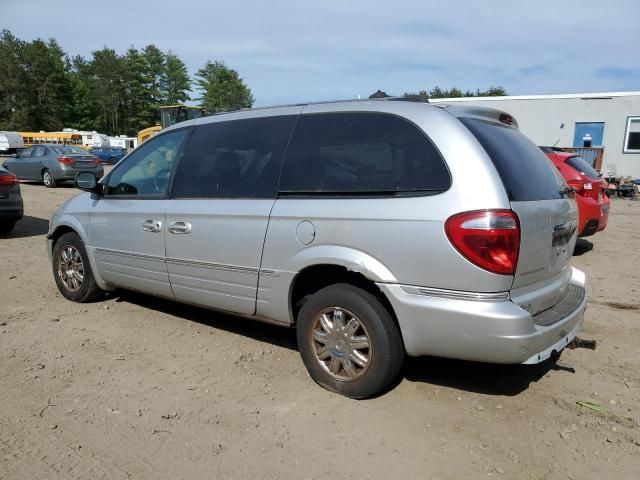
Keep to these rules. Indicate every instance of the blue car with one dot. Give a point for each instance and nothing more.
(110, 155)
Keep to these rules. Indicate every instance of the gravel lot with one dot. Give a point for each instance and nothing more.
(136, 387)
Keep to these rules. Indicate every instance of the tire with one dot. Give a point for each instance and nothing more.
(76, 288)
(327, 353)
(112, 161)
(47, 179)
(7, 227)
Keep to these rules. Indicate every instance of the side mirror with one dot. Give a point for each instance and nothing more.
(88, 182)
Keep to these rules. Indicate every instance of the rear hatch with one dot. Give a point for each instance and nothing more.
(592, 184)
(547, 214)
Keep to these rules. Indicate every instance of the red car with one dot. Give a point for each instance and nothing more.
(593, 202)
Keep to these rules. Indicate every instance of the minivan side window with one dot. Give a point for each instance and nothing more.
(234, 159)
(147, 170)
(361, 153)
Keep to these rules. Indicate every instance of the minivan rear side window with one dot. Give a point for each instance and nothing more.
(361, 153)
(526, 172)
(234, 159)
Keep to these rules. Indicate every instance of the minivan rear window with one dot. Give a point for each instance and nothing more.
(361, 153)
(581, 165)
(526, 172)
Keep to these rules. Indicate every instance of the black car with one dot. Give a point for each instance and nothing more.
(11, 208)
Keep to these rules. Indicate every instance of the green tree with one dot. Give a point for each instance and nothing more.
(153, 76)
(12, 104)
(175, 82)
(222, 88)
(106, 71)
(84, 111)
(453, 92)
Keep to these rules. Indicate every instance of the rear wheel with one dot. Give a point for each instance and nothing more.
(72, 271)
(47, 179)
(7, 227)
(348, 341)
(112, 161)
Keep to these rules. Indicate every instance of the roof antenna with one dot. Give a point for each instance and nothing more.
(558, 141)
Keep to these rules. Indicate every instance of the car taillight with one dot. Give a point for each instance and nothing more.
(66, 160)
(490, 239)
(9, 179)
(581, 188)
(96, 161)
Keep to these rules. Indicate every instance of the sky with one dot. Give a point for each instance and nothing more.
(305, 50)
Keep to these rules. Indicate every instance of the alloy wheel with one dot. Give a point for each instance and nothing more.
(341, 344)
(70, 268)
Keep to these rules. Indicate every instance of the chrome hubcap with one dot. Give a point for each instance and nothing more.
(47, 178)
(70, 268)
(340, 343)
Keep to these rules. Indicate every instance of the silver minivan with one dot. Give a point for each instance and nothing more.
(375, 228)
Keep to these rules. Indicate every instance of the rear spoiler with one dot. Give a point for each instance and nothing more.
(481, 113)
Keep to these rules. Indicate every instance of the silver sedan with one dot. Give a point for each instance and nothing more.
(52, 164)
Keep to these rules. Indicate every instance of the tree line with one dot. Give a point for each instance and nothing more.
(44, 88)
(437, 92)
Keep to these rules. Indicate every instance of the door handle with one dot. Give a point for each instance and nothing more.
(180, 228)
(153, 226)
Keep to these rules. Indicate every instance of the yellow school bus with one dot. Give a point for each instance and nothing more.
(60, 138)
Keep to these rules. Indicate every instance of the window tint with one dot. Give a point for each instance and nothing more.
(525, 171)
(581, 165)
(361, 153)
(148, 169)
(26, 153)
(234, 159)
(64, 150)
(39, 151)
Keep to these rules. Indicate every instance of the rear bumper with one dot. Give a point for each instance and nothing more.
(70, 174)
(592, 215)
(11, 208)
(481, 329)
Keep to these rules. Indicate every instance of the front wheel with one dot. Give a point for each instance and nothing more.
(72, 271)
(47, 179)
(112, 161)
(348, 341)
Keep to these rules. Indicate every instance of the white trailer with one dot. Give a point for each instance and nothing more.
(122, 141)
(10, 142)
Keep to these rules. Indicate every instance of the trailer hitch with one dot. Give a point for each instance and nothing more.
(580, 343)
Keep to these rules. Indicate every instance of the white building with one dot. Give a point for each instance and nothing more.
(612, 120)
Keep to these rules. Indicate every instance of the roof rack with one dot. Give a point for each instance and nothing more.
(325, 102)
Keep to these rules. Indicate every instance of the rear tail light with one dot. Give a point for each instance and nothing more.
(490, 239)
(66, 160)
(581, 188)
(9, 179)
(96, 161)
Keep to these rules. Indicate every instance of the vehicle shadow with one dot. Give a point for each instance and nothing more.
(263, 332)
(28, 227)
(484, 378)
(582, 246)
(40, 184)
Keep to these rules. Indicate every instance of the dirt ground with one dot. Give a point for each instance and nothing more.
(136, 387)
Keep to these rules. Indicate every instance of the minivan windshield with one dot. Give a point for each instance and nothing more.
(525, 171)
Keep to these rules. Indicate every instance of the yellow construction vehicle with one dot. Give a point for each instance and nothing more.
(170, 115)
